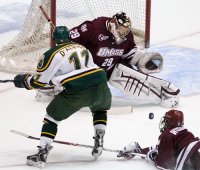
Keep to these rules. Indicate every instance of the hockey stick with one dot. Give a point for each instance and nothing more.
(72, 144)
(6, 81)
(47, 17)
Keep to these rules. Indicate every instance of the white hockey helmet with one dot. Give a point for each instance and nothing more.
(120, 26)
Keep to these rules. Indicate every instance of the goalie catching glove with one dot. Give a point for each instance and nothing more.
(20, 81)
(147, 62)
(128, 151)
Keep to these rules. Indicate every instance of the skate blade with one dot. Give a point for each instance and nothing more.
(35, 164)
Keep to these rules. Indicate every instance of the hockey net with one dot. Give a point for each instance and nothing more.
(23, 52)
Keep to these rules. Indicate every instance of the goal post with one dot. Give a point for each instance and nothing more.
(35, 37)
(147, 25)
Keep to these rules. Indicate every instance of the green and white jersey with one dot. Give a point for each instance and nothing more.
(70, 65)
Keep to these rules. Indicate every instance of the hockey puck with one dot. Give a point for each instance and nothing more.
(151, 115)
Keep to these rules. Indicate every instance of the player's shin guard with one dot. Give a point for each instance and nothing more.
(48, 133)
(99, 122)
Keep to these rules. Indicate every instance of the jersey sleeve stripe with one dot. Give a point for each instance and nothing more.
(80, 75)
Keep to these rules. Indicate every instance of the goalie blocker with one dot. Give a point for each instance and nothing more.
(143, 87)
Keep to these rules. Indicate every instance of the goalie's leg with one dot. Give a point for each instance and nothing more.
(170, 96)
(144, 88)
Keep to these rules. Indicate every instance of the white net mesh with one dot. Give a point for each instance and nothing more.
(22, 53)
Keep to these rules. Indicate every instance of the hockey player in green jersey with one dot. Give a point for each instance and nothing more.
(69, 65)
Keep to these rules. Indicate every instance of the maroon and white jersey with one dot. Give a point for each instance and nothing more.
(175, 147)
(94, 35)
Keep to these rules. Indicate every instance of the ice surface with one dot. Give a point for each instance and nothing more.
(174, 33)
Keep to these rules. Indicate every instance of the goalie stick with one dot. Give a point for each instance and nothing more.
(50, 22)
(47, 17)
(72, 144)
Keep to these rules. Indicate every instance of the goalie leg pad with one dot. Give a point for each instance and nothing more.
(139, 85)
(170, 96)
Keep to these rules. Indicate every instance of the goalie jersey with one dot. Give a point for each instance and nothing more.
(69, 65)
(96, 37)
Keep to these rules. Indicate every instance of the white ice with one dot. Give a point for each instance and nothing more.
(175, 33)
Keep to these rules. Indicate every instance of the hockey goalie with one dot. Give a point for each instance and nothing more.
(111, 43)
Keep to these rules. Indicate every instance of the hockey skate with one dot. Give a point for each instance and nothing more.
(39, 160)
(98, 143)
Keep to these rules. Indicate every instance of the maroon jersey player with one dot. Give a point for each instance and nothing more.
(110, 40)
(177, 149)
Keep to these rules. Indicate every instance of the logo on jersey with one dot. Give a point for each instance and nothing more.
(61, 30)
(101, 37)
(107, 52)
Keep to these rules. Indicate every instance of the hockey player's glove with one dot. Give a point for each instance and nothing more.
(128, 151)
(147, 62)
(151, 156)
(21, 81)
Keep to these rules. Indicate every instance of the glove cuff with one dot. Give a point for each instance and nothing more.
(26, 82)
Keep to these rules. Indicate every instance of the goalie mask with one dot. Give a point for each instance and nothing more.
(171, 119)
(120, 26)
(61, 35)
